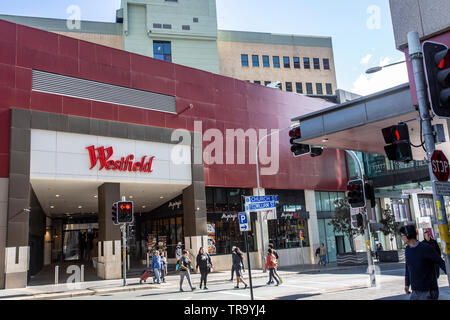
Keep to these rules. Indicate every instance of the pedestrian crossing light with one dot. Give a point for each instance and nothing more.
(114, 213)
(125, 212)
(355, 193)
(399, 146)
(436, 58)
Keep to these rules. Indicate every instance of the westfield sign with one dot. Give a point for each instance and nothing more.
(102, 155)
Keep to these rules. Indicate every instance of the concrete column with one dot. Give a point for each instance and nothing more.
(108, 193)
(194, 206)
(265, 229)
(3, 226)
(313, 224)
(109, 245)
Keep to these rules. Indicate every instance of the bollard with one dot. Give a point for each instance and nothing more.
(148, 260)
(56, 274)
(82, 273)
(128, 262)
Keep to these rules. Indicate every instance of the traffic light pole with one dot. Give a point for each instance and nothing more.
(416, 57)
(366, 226)
(123, 228)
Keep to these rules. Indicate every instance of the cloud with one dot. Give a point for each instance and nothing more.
(386, 78)
(366, 59)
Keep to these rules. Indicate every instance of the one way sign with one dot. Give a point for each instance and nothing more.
(243, 222)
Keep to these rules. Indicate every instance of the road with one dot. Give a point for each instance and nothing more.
(349, 284)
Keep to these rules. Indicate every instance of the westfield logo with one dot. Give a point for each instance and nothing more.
(102, 156)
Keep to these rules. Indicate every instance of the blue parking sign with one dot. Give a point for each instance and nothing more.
(243, 221)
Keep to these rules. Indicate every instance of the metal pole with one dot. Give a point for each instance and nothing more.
(366, 226)
(248, 251)
(56, 274)
(124, 254)
(416, 57)
(257, 183)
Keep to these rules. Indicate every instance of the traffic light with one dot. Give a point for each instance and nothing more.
(359, 220)
(397, 138)
(114, 213)
(356, 196)
(436, 58)
(125, 212)
(297, 149)
(370, 193)
(316, 151)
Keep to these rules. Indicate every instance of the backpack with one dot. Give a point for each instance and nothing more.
(317, 251)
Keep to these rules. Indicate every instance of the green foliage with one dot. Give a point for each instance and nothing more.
(341, 222)
(390, 226)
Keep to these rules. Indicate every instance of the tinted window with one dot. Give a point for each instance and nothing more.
(319, 88)
(289, 86)
(276, 62)
(309, 89)
(329, 88)
(255, 60)
(266, 62)
(162, 50)
(244, 60)
(296, 62)
(326, 64)
(298, 87)
(257, 82)
(286, 62)
(316, 63)
(306, 63)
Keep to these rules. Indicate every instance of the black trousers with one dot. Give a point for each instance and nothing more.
(203, 276)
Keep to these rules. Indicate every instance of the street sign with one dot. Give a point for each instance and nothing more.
(255, 199)
(442, 188)
(439, 165)
(260, 206)
(243, 222)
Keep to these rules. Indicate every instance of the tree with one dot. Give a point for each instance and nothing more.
(390, 226)
(341, 222)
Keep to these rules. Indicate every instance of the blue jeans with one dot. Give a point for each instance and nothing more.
(324, 259)
(157, 277)
(272, 275)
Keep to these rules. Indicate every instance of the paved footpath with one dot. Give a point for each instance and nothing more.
(358, 290)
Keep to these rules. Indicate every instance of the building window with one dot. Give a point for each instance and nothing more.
(195, 20)
(329, 88)
(162, 50)
(309, 89)
(296, 62)
(257, 82)
(266, 62)
(186, 27)
(157, 25)
(266, 82)
(244, 60)
(255, 60)
(326, 64)
(316, 63)
(276, 61)
(306, 63)
(289, 86)
(298, 87)
(319, 88)
(167, 26)
(286, 62)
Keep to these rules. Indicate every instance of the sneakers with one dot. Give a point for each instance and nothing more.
(205, 288)
(281, 281)
(181, 290)
(200, 287)
(193, 288)
(245, 286)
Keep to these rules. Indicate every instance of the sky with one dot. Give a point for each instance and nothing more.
(361, 30)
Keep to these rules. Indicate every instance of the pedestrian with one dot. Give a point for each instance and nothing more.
(318, 255)
(156, 266)
(420, 273)
(205, 265)
(271, 264)
(163, 266)
(178, 251)
(275, 253)
(323, 255)
(433, 243)
(185, 268)
(378, 249)
(238, 265)
(232, 265)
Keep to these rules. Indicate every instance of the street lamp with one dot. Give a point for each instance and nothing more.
(376, 69)
(257, 181)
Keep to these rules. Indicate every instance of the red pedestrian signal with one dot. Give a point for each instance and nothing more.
(399, 146)
(125, 212)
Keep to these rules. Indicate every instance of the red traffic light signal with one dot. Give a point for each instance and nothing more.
(356, 195)
(397, 138)
(125, 212)
(436, 58)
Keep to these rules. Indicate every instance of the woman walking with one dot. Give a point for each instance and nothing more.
(271, 264)
(185, 267)
(163, 266)
(156, 266)
(205, 265)
(238, 265)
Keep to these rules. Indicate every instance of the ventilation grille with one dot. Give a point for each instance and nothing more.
(97, 91)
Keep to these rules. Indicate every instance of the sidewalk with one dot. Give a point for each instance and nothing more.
(43, 292)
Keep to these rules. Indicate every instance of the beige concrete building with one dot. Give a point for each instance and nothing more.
(303, 64)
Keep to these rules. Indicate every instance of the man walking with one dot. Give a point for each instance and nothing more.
(323, 255)
(420, 273)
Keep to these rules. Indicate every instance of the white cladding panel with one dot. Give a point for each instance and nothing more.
(62, 155)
